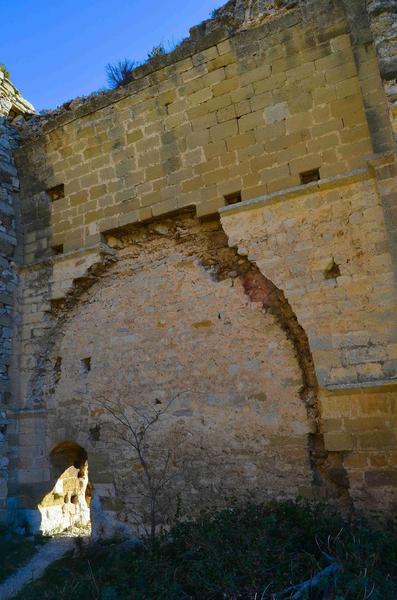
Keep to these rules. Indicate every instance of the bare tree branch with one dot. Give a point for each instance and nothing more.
(134, 432)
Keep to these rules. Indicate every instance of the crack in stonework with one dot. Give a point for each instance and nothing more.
(327, 467)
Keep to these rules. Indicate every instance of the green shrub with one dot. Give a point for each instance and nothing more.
(157, 51)
(254, 552)
(4, 69)
(120, 73)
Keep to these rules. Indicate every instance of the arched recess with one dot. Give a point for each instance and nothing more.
(66, 507)
(151, 259)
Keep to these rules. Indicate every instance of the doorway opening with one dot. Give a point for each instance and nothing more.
(66, 508)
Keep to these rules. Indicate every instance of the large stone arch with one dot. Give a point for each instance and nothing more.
(203, 327)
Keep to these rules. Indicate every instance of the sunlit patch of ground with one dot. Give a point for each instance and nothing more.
(72, 531)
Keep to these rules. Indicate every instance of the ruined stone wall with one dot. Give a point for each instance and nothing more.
(391, 94)
(383, 19)
(170, 322)
(360, 423)
(383, 23)
(328, 250)
(250, 113)
(11, 103)
(8, 281)
(279, 328)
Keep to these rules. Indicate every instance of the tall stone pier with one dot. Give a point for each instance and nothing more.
(11, 105)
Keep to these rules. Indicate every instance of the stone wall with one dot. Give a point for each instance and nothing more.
(8, 280)
(328, 249)
(383, 19)
(178, 329)
(360, 423)
(383, 22)
(11, 103)
(250, 113)
(273, 334)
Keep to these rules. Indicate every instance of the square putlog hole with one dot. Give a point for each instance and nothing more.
(85, 365)
(58, 249)
(234, 198)
(57, 192)
(309, 176)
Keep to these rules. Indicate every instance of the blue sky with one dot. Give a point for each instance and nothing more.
(56, 50)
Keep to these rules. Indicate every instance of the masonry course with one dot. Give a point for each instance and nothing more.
(279, 312)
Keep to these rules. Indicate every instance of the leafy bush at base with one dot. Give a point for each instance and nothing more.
(251, 553)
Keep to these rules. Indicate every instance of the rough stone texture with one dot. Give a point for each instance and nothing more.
(295, 241)
(8, 280)
(11, 103)
(274, 335)
(383, 22)
(179, 301)
(249, 114)
(350, 318)
(362, 422)
(170, 330)
(391, 94)
(383, 18)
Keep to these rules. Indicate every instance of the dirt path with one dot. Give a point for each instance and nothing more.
(47, 554)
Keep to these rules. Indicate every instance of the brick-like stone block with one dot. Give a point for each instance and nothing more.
(338, 441)
(381, 478)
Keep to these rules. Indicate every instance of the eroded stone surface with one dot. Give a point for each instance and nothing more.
(274, 337)
(159, 326)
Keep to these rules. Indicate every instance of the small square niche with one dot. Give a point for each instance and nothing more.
(309, 176)
(234, 198)
(57, 192)
(85, 365)
(57, 249)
